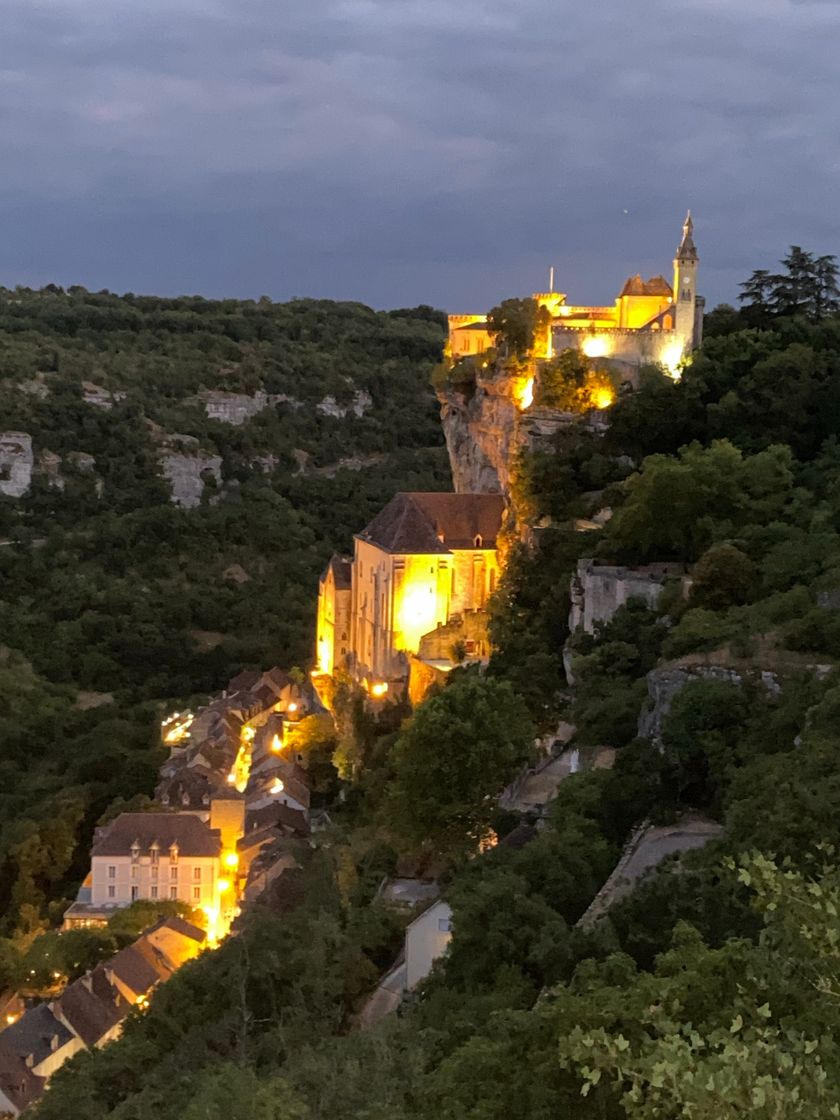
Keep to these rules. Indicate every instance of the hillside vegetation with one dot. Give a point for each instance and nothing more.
(708, 993)
(113, 601)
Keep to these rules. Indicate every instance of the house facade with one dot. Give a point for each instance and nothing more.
(173, 856)
(426, 940)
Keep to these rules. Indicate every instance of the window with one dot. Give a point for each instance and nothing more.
(134, 893)
(154, 892)
(197, 874)
(112, 892)
(155, 855)
(154, 874)
(134, 872)
(173, 874)
(444, 925)
(112, 872)
(173, 892)
(197, 894)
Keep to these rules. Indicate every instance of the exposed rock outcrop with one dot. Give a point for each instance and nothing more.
(187, 473)
(238, 408)
(359, 405)
(485, 429)
(16, 462)
(666, 681)
(99, 396)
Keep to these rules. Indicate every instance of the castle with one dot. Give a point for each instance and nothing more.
(650, 321)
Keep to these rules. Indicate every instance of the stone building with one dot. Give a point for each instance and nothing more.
(424, 561)
(650, 321)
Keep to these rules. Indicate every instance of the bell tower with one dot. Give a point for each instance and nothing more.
(685, 288)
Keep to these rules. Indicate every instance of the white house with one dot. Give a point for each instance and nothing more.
(426, 939)
(156, 856)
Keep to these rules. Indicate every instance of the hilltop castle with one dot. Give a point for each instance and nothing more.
(650, 321)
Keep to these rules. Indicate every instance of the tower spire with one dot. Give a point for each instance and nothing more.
(687, 250)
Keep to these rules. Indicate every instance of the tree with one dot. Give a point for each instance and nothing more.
(514, 322)
(453, 761)
(724, 576)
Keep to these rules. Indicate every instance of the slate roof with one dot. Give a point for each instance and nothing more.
(429, 523)
(342, 570)
(92, 1006)
(31, 1035)
(133, 969)
(17, 1082)
(192, 836)
(276, 815)
(182, 926)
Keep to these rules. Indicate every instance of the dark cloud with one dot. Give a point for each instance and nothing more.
(405, 150)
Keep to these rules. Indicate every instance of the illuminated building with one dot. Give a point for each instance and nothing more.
(333, 623)
(650, 320)
(424, 560)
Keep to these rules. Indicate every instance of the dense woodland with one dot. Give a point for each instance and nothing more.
(121, 597)
(711, 992)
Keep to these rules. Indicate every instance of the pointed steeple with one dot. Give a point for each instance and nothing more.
(687, 250)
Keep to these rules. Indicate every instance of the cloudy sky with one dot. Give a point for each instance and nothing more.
(405, 151)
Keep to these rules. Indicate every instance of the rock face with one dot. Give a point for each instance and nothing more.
(16, 462)
(99, 396)
(485, 429)
(186, 475)
(358, 406)
(238, 408)
(666, 681)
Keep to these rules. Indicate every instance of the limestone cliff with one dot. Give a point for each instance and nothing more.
(487, 424)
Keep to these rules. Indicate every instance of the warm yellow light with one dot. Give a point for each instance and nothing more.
(603, 398)
(594, 346)
(222, 885)
(525, 395)
(277, 786)
(292, 706)
(671, 359)
(231, 859)
(379, 689)
(276, 744)
(231, 778)
(248, 733)
(416, 610)
(10, 1018)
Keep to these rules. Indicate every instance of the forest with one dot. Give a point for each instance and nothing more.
(115, 604)
(710, 992)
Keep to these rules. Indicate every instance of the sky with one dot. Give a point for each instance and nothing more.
(412, 151)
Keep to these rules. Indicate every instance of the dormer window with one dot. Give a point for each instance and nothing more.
(173, 853)
(478, 541)
(154, 853)
(135, 851)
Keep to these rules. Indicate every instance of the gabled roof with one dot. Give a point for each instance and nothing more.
(92, 1006)
(131, 967)
(276, 815)
(655, 286)
(192, 836)
(429, 523)
(31, 1036)
(342, 572)
(17, 1082)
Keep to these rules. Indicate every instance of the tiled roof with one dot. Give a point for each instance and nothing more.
(17, 1082)
(131, 967)
(428, 523)
(342, 571)
(192, 836)
(32, 1035)
(655, 286)
(92, 1006)
(277, 815)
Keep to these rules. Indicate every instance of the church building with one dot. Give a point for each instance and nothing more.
(425, 561)
(650, 321)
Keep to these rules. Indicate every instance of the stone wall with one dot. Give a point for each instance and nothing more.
(186, 474)
(598, 590)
